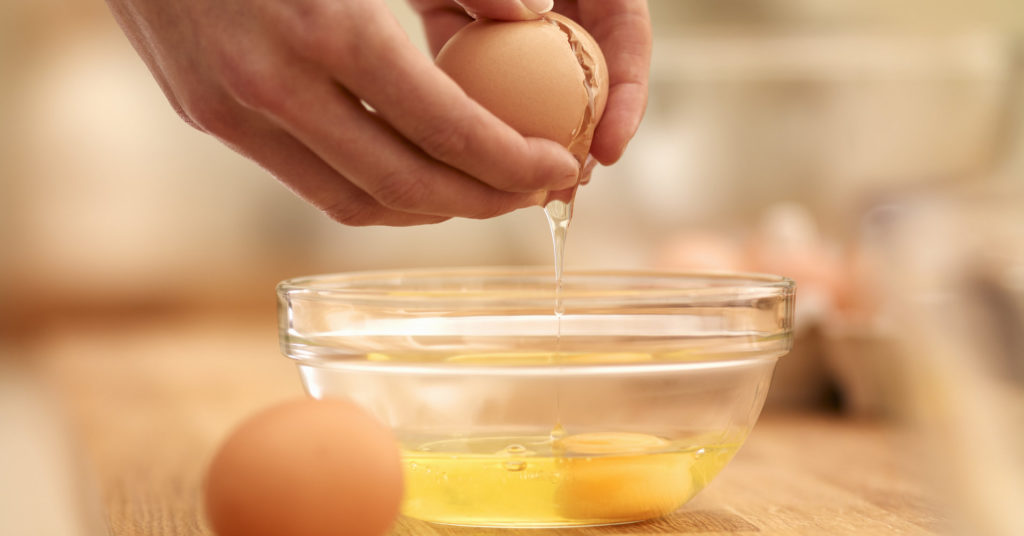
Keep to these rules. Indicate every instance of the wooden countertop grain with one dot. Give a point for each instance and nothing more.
(149, 403)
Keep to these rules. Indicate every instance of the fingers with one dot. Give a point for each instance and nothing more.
(312, 179)
(442, 18)
(626, 104)
(386, 166)
(568, 8)
(361, 147)
(430, 110)
(506, 9)
(623, 30)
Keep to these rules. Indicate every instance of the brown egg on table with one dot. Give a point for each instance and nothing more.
(546, 78)
(305, 468)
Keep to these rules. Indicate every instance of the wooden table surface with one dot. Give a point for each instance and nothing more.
(149, 403)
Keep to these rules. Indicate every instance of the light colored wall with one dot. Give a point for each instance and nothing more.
(107, 195)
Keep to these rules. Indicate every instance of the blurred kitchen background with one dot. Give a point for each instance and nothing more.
(871, 150)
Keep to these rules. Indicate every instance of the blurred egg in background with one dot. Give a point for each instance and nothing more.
(871, 150)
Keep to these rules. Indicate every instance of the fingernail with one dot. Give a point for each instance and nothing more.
(539, 6)
(469, 10)
(569, 174)
(588, 169)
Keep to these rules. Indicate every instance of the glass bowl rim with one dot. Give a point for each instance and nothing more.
(383, 284)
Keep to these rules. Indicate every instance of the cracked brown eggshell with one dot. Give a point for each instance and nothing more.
(529, 75)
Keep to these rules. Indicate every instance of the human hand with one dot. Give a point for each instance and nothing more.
(622, 28)
(285, 83)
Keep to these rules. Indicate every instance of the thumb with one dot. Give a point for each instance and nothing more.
(506, 9)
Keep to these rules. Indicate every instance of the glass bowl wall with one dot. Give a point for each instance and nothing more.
(620, 409)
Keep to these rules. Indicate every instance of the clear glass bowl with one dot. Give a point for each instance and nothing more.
(621, 409)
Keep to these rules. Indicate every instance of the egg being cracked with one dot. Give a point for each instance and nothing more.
(546, 78)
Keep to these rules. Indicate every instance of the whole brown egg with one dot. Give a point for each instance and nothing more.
(305, 468)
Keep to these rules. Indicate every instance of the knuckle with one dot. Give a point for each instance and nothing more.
(312, 37)
(354, 212)
(317, 29)
(444, 140)
(256, 91)
(493, 210)
(179, 110)
(400, 190)
(251, 81)
(189, 119)
(208, 114)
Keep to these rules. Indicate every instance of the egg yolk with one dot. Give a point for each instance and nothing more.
(621, 475)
